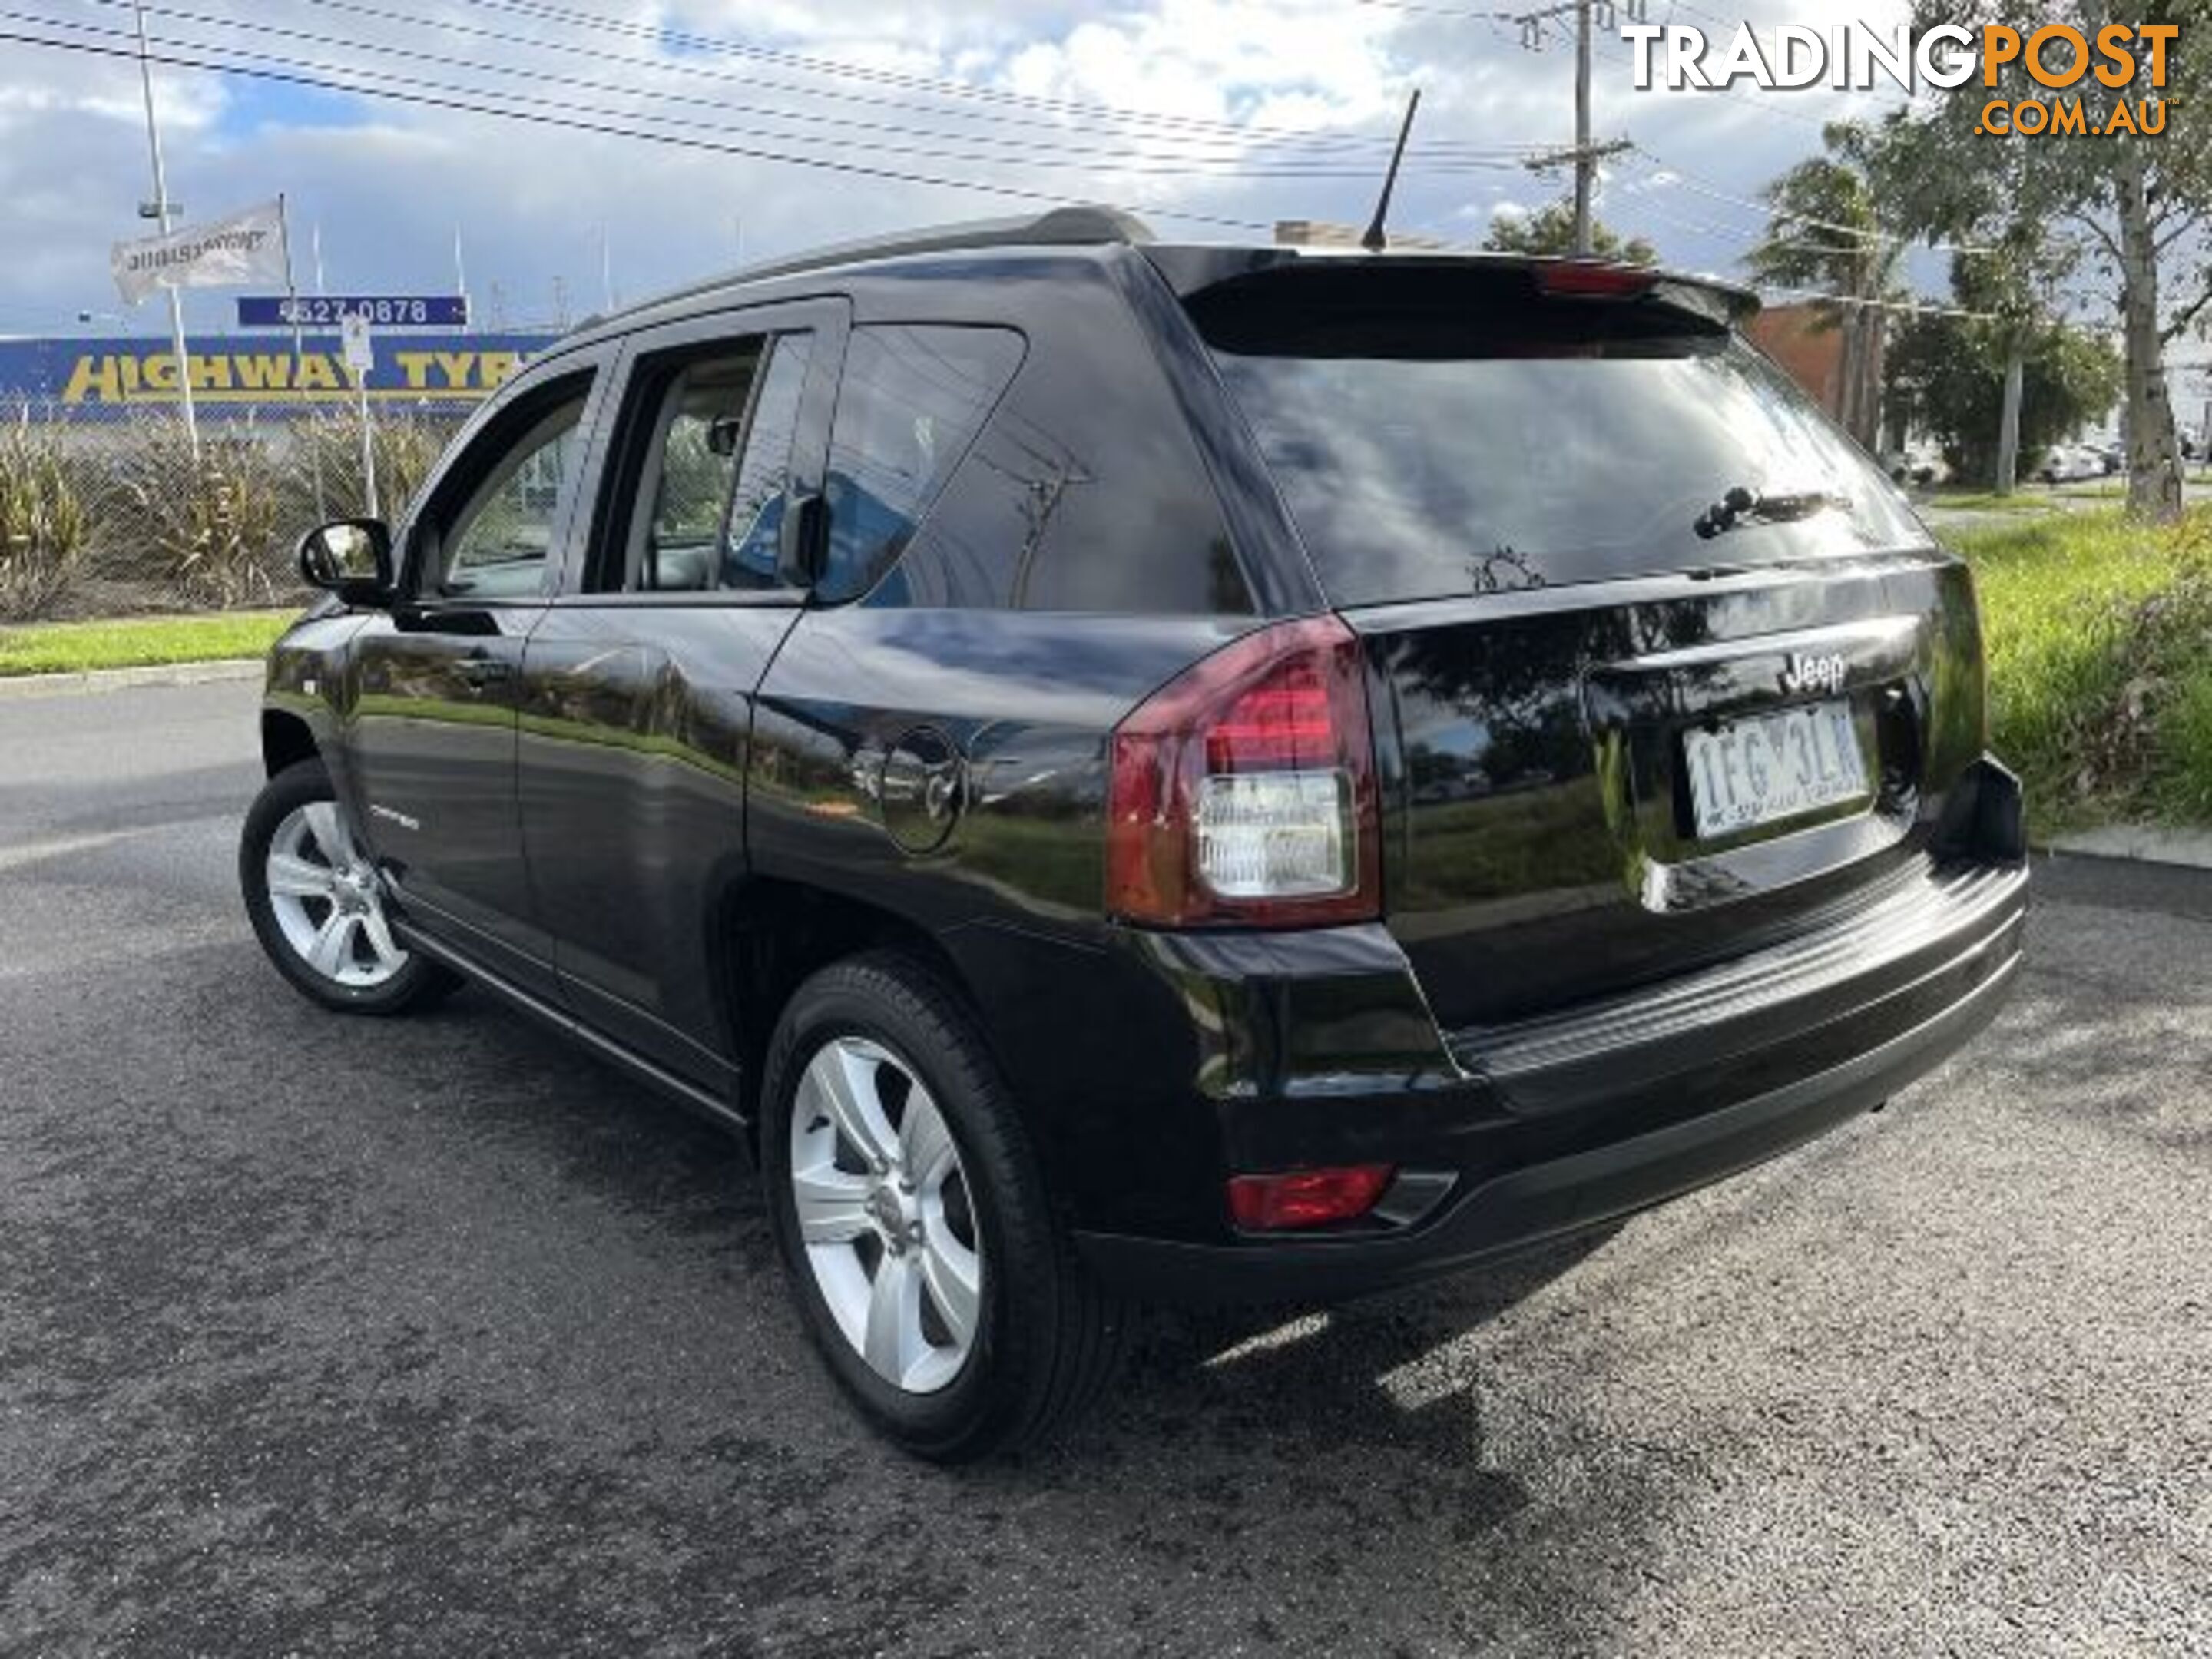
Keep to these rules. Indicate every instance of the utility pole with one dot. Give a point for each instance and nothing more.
(161, 215)
(1585, 163)
(1585, 154)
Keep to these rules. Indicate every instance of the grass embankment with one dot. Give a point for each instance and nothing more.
(2099, 633)
(136, 641)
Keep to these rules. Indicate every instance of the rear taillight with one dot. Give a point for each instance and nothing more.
(1244, 791)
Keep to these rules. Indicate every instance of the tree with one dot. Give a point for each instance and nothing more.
(1550, 230)
(2006, 266)
(2136, 185)
(1949, 373)
(1827, 230)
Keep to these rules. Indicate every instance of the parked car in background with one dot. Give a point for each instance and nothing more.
(1919, 466)
(1128, 770)
(2071, 463)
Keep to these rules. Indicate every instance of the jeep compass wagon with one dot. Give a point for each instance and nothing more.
(1130, 771)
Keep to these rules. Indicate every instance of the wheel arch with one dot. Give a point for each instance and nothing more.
(286, 740)
(772, 934)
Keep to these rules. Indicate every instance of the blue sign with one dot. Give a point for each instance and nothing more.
(99, 378)
(382, 310)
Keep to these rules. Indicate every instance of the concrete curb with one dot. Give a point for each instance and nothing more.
(2125, 884)
(118, 679)
(2188, 849)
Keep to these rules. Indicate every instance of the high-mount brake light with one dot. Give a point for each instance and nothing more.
(1579, 279)
(1244, 791)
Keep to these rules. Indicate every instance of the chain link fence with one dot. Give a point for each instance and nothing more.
(116, 516)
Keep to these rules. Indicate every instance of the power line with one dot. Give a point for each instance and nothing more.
(1689, 181)
(1242, 138)
(544, 11)
(1139, 167)
(609, 129)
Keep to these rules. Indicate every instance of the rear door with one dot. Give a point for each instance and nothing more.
(430, 703)
(636, 692)
(1670, 666)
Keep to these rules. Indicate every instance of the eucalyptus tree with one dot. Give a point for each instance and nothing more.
(2136, 200)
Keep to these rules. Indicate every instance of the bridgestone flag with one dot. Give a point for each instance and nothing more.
(245, 249)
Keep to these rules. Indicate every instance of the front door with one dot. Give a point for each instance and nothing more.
(431, 734)
(636, 692)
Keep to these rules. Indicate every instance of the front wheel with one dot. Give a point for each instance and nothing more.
(317, 901)
(913, 1222)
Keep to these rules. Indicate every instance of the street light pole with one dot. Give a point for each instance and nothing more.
(162, 213)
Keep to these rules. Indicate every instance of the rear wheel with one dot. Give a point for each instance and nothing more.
(317, 901)
(914, 1221)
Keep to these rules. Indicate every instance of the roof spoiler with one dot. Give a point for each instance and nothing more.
(1190, 268)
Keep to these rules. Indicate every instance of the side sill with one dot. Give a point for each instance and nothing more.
(685, 1094)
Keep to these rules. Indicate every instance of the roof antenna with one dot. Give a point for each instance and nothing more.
(1374, 240)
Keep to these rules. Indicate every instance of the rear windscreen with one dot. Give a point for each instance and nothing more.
(1423, 461)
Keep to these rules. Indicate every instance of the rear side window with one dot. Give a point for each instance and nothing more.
(1421, 460)
(913, 398)
(711, 449)
(679, 519)
(753, 532)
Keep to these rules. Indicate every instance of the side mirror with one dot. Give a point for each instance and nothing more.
(350, 557)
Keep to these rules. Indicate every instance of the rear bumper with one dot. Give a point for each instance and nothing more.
(1558, 1125)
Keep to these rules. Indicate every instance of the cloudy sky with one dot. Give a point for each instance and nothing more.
(1208, 115)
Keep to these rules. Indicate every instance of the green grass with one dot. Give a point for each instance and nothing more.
(133, 641)
(2099, 637)
(1982, 500)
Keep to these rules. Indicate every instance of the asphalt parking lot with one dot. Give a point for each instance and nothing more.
(322, 1336)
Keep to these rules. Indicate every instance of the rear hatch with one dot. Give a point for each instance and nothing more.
(1663, 667)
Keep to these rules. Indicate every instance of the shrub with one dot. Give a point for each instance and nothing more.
(208, 527)
(324, 451)
(42, 521)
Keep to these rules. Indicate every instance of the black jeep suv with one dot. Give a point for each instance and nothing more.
(1129, 771)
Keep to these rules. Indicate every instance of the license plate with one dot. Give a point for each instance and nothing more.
(1748, 772)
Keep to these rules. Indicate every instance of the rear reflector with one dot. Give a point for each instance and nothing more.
(1306, 1198)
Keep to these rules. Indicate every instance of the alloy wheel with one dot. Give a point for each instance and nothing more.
(884, 1215)
(328, 900)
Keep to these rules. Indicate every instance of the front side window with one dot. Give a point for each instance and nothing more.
(714, 467)
(497, 546)
(914, 397)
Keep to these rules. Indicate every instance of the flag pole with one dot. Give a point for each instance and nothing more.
(161, 212)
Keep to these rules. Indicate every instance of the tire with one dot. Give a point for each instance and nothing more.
(1044, 1338)
(317, 904)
